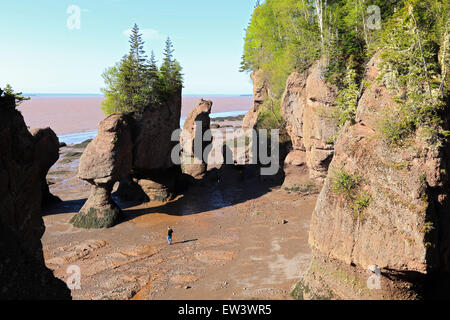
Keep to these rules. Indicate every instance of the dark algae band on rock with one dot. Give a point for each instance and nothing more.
(98, 218)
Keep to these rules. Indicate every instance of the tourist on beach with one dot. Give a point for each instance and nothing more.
(169, 235)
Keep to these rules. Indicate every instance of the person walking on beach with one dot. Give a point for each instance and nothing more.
(169, 235)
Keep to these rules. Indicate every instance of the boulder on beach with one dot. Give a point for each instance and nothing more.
(381, 205)
(106, 160)
(46, 155)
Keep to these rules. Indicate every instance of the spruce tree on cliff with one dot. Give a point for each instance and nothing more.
(170, 75)
(17, 96)
(136, 83)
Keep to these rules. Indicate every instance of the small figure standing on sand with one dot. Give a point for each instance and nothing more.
(169, 235)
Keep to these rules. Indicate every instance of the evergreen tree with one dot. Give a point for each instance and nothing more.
(153, 64)
(137, 51)
(171, 76)
(153, 76)
(168, 55)
(136, 83)
(8, 91)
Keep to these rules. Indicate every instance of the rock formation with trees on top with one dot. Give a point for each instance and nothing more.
(136, 83)
(134, 143)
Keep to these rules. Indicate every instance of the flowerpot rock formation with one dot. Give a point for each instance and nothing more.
(106, 160)
(152, 151)
(192, 145)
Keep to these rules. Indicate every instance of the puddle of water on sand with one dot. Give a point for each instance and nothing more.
(77, 137)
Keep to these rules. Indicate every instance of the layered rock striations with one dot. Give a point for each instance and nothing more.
(380, 229)
(196, 124)
(23, 274)
(306, 106)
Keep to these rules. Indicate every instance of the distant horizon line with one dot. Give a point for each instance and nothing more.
(101, 95)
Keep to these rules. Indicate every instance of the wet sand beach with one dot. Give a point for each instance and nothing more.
(238, 237)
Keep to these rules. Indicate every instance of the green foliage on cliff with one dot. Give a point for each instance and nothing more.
(415, 56)
(279, 39)
(288, 35)
(361, 203)
(347, 101)
(350, 186)
(344, 183)
(8, 92)
(136, 83)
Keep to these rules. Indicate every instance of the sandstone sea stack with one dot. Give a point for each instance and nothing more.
(107, 160)
(192, 144)
(23, 274)
(153, 168)
(46, 154)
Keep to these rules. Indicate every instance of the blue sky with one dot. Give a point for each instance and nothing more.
(40, 54)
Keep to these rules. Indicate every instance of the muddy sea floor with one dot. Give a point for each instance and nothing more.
(236, 238)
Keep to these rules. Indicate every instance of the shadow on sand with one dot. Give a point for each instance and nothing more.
(63, 207)
(224, 188)
(184, 241)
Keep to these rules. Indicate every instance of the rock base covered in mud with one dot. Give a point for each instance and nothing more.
(107, 159)
(99, 211)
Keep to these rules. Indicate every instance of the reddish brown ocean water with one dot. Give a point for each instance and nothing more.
(67, 115)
